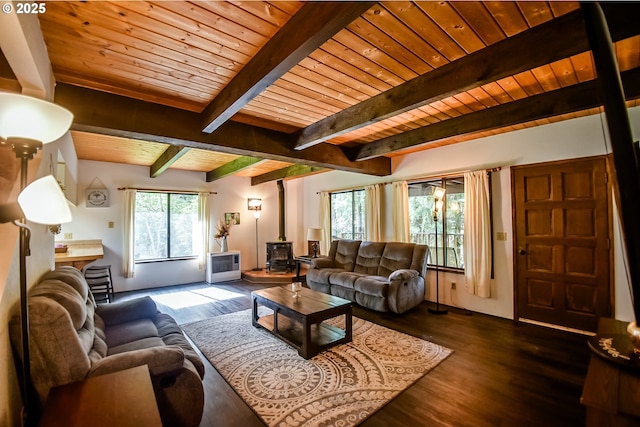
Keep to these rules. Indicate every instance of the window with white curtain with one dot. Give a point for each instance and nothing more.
(166, 226)
(348, 215)
(449, 226)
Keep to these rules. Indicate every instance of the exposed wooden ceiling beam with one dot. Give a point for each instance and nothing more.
(508, 57)
(308, 29)
(232, 167)
(109, 114)
(171, 155)
(562, 101)
(22, 43)
(288, 172)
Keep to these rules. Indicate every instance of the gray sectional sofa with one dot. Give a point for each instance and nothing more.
(382, 276)
(73, 339)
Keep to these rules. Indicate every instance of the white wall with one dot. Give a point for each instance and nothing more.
(581, 137)
(232, 194)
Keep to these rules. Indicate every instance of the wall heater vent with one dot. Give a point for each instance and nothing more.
(223, 266)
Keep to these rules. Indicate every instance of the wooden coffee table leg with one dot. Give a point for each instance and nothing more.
(305, 349)
(349, 325)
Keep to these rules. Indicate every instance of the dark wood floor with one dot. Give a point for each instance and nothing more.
(500, 374)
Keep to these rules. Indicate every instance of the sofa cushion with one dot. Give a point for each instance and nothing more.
(342, 292)
(123, 333)
(321, 275)
(396, 256)
(368, 259)
(372, 302)
(126, 311)
(345, 253)
(70, 276)
(345, 279)
(372, 285)
(66, 296)
(140, 344)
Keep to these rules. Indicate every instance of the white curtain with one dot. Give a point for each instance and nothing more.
(372, 203)
(477, 234)
(325, 221)
(400, 211)
(204, 219)
(128, 265)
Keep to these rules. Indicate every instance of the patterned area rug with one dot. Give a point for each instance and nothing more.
(341, 386)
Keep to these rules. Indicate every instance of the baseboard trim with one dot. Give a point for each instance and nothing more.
(558, 327)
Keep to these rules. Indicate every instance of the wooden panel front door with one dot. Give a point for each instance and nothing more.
(562, 242)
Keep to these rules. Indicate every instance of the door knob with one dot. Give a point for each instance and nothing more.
(521, 251)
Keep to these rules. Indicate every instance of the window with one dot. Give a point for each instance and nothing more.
(348, 215)
(166, 226)
(424, 226)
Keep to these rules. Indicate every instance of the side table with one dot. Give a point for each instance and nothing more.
(304, 259)
(611, 390)
(124, 399)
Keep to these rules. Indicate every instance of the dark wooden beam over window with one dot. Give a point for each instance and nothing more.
(288, 172)
(108, 114)
(508, 57)
(171, 155)
(307, 30)
(562, 101)
(232, 167)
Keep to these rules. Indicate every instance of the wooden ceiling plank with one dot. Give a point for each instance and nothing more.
(508, 16)
(314, 24)
(288, 172)
(562, 101)
(370, 72)
(486, 28)
(171, 155)
(382, 41)
(447, 18)
(518, 53)
(232, 167)
(157, 45)
(374, 54)
(107, 85)
(109, 114)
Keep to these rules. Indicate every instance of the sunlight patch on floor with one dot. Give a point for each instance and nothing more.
(185, 299)
(218, 294)
(177, 300)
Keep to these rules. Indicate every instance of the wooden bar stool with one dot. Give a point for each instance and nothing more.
(99, 280)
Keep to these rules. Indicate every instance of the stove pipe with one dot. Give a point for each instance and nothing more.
(281, 233)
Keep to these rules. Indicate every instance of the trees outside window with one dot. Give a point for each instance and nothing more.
(166, 226)
(450, 220)
(348, 215)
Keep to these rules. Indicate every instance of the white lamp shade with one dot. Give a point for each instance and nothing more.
(314, 234)
(43, 202)
(23, 116)
(254, 204)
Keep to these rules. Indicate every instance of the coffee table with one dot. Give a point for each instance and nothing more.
(299, 321)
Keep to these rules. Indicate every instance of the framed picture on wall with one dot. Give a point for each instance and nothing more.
(97, 198)
(232, 218)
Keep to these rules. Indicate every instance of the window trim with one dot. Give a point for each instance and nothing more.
(168, 240)
(442, 183)
(353, 209)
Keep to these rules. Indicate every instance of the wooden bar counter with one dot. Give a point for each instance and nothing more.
(80, 253)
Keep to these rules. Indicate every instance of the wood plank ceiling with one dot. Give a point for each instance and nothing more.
(280, 89)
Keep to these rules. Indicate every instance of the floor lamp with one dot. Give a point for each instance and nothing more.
(438, 194)
(255, 205)
(26, 124)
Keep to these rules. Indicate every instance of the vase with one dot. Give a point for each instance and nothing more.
(223, 244)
